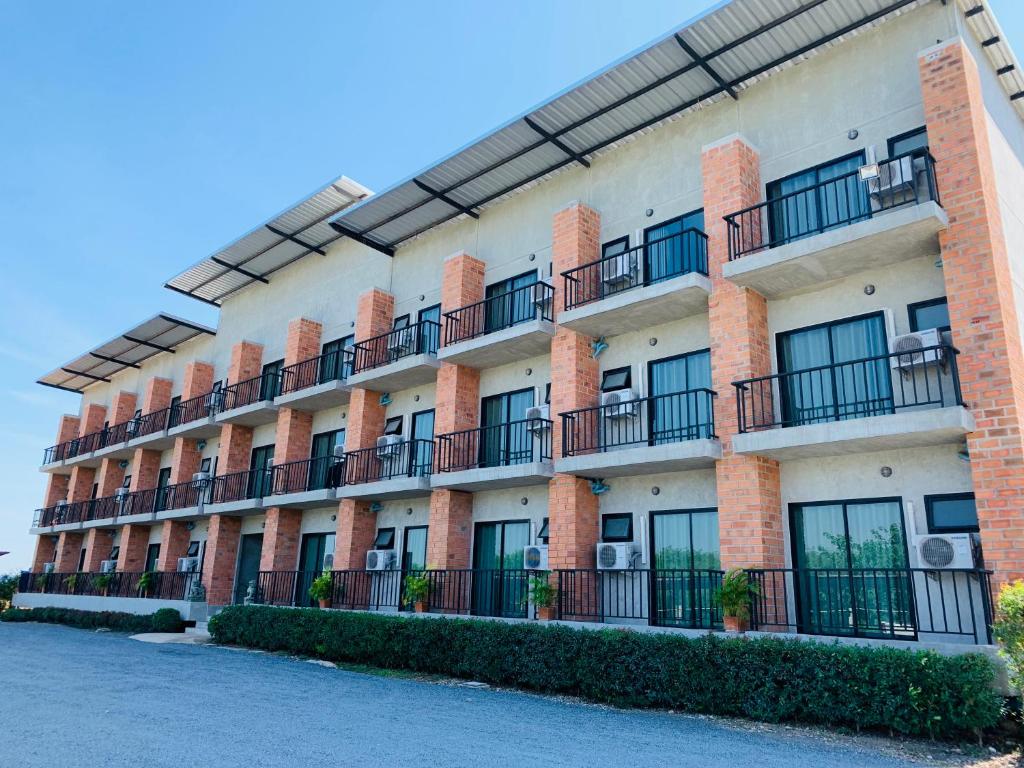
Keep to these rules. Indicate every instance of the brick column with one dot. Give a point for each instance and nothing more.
(92, 419)
(69, 551)
(174, 538)
(221, 554)
(246, 361)
(235, 451)
(145, 469)
(68, 429)
(97, 548)
(185, 462)
(157, 395)
(131, 556)
(110, 475)
(56, 489)
(749, 496)
(83, 478)
(375, 313)
(46, 552)
(572, 507)
(123, 407)
(979, 288)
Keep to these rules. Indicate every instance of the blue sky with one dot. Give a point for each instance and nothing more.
(140, 137)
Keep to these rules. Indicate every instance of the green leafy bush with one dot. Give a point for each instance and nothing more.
(8, 586)
(909, 692)
(1009, 630)
(164, 620)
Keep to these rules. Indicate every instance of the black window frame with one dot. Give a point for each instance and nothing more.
(624, 241)
(890, 143)
(389, 542)
(545, 531)
(193, 549)
(929, 512)
(389, 430)
(547, 393)
(916, 305)
(115, 550)
(270, 379)
(628, 384)
(404, 319)
(614, 516)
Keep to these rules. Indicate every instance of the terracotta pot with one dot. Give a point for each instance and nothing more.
(735, 624)
(546, 613)
(420, 606)
(325, 602)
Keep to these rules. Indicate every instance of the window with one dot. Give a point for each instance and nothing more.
(951, 513)
(393, 426)
(401, 322)
(429, 319)
(544, 533)
(385, 539)
(138, 413)
(547, 393)
(175, 402)
(271, 379)
(617, 378)
(205, 465)
(414, 556)
(615, 247)
(81, 560)
(509, 303)
(675, 416)
(908, 142)
(933, 313)
(617, 527)
(506, 438)
(127, 482)
(332, 362)
(152, 557)
(114, 552)
(816, 199)
(193, 549)
(672, 249)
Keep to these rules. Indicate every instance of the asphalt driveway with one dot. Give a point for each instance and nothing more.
(75, 698)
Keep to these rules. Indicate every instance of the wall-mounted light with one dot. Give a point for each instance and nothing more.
(653, 341)
(529, 371)
(533, 257)
(885, 471)
(655, 491)
(649, 212)
(408, 510)
(852, 134)
(869, 289)
(333, 518)
(422, 296)
(415, 398)
(524, 501)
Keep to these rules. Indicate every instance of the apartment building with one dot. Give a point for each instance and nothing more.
(745, 298)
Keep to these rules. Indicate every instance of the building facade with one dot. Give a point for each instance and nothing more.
(745, 299)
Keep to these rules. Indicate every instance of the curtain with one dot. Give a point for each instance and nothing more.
(415, 556)
(863, 388)
(686, 417)
(675, 256)
(428, 334)
(810, 209)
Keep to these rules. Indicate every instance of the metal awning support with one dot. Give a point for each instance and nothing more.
(703, 64)
(114, 360)
(239, 270)
(296, 240)
(149, 344)
(557, 142)
(86, 375)
(351, 234)
(445, 199)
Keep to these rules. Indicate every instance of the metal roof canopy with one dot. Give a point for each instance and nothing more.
(713, 57)
(160, 333)
(983, 23)
(289, 236)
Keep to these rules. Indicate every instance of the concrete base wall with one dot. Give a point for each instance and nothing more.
(140, 606)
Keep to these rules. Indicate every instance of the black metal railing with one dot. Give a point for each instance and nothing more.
(872, 386)
(258, 389)
(182, 495)
(409, 458)
(116, 434)
(906, 179)
(193, 409)
(500, 445)
(893, 603)
(417, 339)
(162, 585)
(646, 264)
(151, 423)
(520, 305)
(313, 474)
(70, 449)
(239, 486)
(330, 366)
(669, 418)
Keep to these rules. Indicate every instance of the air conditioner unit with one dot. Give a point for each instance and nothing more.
(108, 566)
(538, 418)
(619, 404)
(946, 550)
(615, 557)
(893, 177)
(380, 559)
(329, 561)
(188, 564)
(912, 349)
(49, 567)
(389, 446)
(201, 477)
(535, 558)
(619, 269)
(338, 451)
(121, 492)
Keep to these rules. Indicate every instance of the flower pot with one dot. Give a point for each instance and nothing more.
(420, 606)
(546, 613)
(325, 602)
(735, 624)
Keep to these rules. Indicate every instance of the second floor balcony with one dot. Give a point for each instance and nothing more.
(403, 357)
(505, 455)
(657, 282)
(249, 402)
(112, 442)
(317, 383)
(306, 484)
(867, 217)
(516, 324)
(240, 492)
(194, 418)
(394, 469)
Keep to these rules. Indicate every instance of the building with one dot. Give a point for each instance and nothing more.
(742, 299)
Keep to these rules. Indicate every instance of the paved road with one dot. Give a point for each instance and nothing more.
(74, 698)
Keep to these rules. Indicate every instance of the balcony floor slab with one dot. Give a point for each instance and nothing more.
(241, 507)
(491, 478)
(520, 342)
(395, 488)
(119, 451)
(643, 460)
(197, 428)
(411, 371)
(318, 397)
(251, 415)
(320, 498)
(155, 441)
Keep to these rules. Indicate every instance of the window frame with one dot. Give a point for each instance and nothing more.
(627, 369)
(890, 143)
(193, 549)
(929, 512)
(916, 305)
(613, 516)
(389, 430)
(390, 542)
(624, 240)
(544, 532)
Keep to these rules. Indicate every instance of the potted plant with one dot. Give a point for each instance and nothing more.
(40, 582)
(320, 589)
(146, 583)
(544, 594)
(417, 590)
(734, 597)
(71, 582)
(101, 582)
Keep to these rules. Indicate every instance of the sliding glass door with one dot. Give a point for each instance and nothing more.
(685, 559)
(502, 444)
(499, 581)
(508, 306)
(315, 556)
(323, 463)
(817, 199)
(673, 419)
(666, 258)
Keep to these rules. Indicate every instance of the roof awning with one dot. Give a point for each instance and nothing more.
(982, 22)
(160, 333)
(296, 232)
(714, 57)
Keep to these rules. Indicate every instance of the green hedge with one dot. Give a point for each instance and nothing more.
(164, 620)
(910, 692)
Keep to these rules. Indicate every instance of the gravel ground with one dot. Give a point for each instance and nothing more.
(74, 698)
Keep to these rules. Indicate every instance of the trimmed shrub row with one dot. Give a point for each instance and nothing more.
(164, 620)
(917, 693)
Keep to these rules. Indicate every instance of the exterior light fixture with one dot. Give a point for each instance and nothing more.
(869, 289)
(885, 471)
(852, 134)
(655, 491)
(653, 341)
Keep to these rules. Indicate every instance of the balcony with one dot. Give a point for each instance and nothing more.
(239, 492)
(837, 228)
(150, 431)
(116, 591)
(396, 360)
(511, 326)
(305, 484)
(506, 455)
(316, 384)
(250, 402)
(75, 452)
(651, 284)
(397, 471)
(667, 433)
(898, 400)
(194, 418)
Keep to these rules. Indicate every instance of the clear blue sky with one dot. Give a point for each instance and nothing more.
(139, 137)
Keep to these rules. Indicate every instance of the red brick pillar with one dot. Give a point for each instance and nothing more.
(123, 407)
(131, 556)
(375, 314)
(68, 429)
(572, 507)
(145, 469)
(92, 419)
(749, 497)
(110, 475)
(221, 554)
(185, 462)
(46, 552)
(979, 288)
(235, 449)
(56, 489)
(246, 362)
(69, 551)
(157, 395)
(97, 548)
(281, 540)
(174, 538)
(83, 478)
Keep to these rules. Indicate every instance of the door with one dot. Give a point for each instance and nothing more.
(831, 374)
(315, 556)
(499, 581)
(259, 477)
(152, 557)
(429, 330)
(332, 360)
(672, 417)
(504, 438)
(507, 305)
(414, 551)
(162, 481)
(322, 472)
(852, 561)
(816, 199)
(669, 253)
(685, 564)
(249, 550)
(270, 381)
(423, 447)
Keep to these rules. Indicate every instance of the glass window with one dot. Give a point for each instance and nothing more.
(152, 556)
(908, 142)
(506, 438)
(332, 363)
(543, 534)
(393, 426)
(951, 513)
(193, 549)
(929, 314)
(401, 322)
(385, 539)
(676, 416)
(423, 432)
(501, 590)
(114, 552)
(617, 527)
(615, 247)
(271, 380)
(509, 303)
(619, 378)
(414, 557)
(675, 247)
(429, 329)
(259, 481)
(816, 199)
